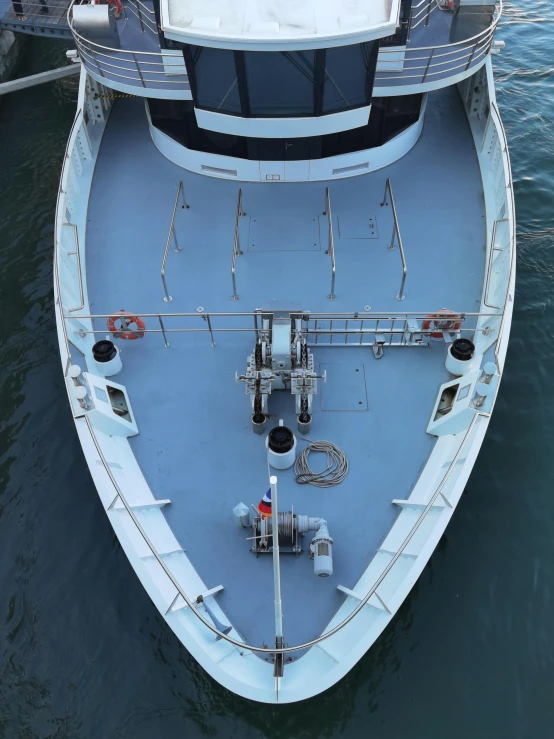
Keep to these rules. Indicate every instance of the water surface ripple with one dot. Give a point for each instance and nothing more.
(83, 652)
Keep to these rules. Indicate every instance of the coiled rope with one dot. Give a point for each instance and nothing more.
(336, 465)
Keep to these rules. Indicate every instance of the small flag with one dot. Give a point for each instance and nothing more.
(264, 506)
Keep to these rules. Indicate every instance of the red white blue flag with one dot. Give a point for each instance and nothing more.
(264, 506)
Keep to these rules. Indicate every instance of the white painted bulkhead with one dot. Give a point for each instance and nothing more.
(328, 168)
(136, 516)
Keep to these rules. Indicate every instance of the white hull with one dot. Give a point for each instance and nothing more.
(126, 495)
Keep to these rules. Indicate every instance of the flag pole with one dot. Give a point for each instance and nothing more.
(279, 642)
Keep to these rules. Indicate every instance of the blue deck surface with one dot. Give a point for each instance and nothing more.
(195, 444)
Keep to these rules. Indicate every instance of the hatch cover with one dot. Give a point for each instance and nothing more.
(357, 226)
(276, 232)
(345, 388)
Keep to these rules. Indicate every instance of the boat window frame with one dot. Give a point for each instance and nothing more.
(321, 81)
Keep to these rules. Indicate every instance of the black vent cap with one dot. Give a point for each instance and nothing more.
(463, 349)
(280, 440)
(103, 351)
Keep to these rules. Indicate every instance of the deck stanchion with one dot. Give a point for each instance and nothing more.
(330, 241)
(396, 237)
(163, 331)
(236, 244)
(172, 233)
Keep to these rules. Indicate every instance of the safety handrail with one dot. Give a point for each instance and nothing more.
(511, 203)
(493, 249)
(172, 233)
(423, 11)
(363, 601)
(330, 241)
(77, 253)
(236, 244)
(438, 60)
(138, 11)
(396, 236)
(477, 36)
(395, 325)
(76, 122)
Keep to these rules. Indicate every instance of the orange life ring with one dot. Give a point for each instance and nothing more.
(441, 321)
(119, 324)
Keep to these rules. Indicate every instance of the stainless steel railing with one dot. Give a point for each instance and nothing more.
(77, 254)
(343, 329)
(237, 252)
(421, 12)
(167, 68)
(172, 234)
(58, 298)
(330, 241)
(491, 262)
(497, 120)
(145, 15)
(146, 69)
(429, 63)
(396, 238)
(244, 646)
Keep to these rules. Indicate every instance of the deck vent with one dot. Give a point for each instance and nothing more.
(353, 168)
(220, 171)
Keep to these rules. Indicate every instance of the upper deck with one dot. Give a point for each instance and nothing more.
(430, 49)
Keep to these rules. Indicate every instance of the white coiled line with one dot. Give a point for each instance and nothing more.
(335, 470)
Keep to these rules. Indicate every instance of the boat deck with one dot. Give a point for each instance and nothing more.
(195, 444)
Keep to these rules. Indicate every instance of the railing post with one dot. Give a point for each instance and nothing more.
(428, 12)
(330, 241)
(163, 329)
(138, 70)
(236, 244)
(470, 57)
(139, 13)
(208, 319)
(171, 234)
(396, 237)
(428, 65)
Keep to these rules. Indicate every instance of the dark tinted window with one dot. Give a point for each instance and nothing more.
(216, 80)
(347, 69)
(389, 117)
(282, 83)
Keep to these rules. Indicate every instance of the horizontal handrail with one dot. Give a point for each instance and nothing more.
(490, 262)
(511, 203)
(139, 67)
(307, 315)
(77, 253)
(363, 601)
(493, 25)
(76, 122)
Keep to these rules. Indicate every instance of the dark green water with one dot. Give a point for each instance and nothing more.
(83, 652)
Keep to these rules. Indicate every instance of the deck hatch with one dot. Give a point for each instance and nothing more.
(345, 388)
(279, 232)
(357, 226)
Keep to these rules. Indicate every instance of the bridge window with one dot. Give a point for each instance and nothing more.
(266, 84)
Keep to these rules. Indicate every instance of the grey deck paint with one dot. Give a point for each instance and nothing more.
(195, 444)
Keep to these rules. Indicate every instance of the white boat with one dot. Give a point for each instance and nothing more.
(311, 203)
